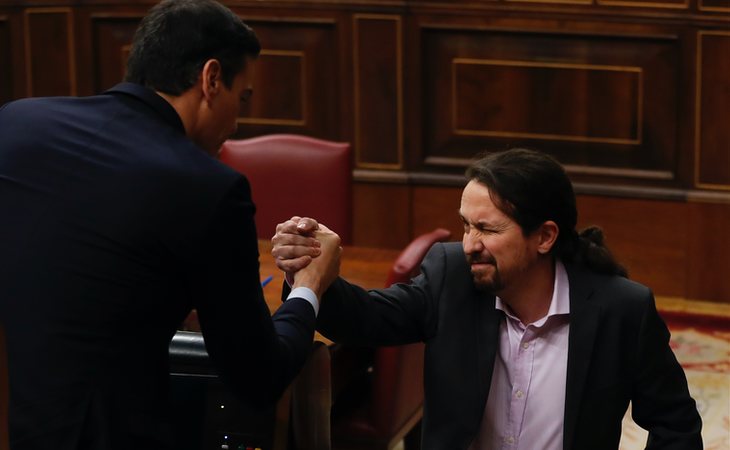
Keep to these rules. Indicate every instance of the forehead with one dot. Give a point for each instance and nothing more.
(477, 204)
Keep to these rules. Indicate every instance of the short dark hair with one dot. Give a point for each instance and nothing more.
(532, 187)
(177, 37)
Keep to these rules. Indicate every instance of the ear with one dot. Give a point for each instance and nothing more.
(547, 234)
(211, 79)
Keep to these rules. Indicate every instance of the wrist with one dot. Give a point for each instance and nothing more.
(304, 279)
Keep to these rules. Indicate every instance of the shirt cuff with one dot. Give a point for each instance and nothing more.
(308, 295)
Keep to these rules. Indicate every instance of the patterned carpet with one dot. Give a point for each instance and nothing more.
(701, 341)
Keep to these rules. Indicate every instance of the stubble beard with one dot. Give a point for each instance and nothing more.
(483, 280)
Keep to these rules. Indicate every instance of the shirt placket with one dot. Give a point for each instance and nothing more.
(523, 354)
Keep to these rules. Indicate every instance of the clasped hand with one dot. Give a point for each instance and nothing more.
(308, 252)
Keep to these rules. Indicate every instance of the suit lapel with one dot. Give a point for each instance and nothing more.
(488, 320)
(584, 317)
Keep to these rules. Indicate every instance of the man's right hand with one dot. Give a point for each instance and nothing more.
(324, 269)
(294, 244)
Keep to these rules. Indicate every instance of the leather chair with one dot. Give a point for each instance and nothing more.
(386, 405)
(295, 175)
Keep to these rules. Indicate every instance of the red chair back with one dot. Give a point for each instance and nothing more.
(295, 175)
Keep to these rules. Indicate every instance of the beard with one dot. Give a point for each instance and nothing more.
(486, 277)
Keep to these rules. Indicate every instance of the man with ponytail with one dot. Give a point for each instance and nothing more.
(535, 337)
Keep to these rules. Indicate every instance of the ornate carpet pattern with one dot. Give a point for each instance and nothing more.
(701, 341)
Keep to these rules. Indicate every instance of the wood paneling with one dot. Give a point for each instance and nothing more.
(296, 79)
(648, 237)
(381, 215)
(591, 100)
(437, 207)
(378, 91)
(483, 100)
(50, 52)
(708, 263)
(6, 74)
(112, 38)
(715, 5)
(712, 165)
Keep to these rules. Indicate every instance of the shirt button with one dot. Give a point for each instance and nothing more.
(509, 440)
(525, 345)
(519, 394)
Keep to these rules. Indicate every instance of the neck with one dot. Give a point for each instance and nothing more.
(186, 107)
(530, 301)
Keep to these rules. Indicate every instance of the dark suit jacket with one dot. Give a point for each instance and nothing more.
(618, 352)
(113, 225)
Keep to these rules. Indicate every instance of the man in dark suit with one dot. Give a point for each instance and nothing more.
(116, 220)
(534, 337)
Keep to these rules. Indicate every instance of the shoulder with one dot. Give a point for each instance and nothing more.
(612, 292)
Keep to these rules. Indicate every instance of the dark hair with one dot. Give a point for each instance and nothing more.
(177, 37)
(532, 187)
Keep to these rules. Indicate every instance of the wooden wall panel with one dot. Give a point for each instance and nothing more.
(50, 52)
(437, 207)
(712, 148)
(296, 80)
(381, 215)
(6, 73)
(714, 5)
(112, 39)
(378, 95)
(709, 252)
(648, 237)
(594, 101)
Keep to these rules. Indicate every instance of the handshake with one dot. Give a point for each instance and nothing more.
(308, 252)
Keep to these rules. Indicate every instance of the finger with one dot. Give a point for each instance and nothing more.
(293, 265)
(285, 239)
(284, 252)
(307, 225)
(290, 226)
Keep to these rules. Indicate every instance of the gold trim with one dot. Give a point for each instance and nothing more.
(399, 90)
(70, 43)
(558, 137)
(303, 113)
(567, 2)
(712, 8)
(684, 5)
(698, 112)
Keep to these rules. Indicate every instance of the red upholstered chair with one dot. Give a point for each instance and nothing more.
(295, 175)
(387, 405)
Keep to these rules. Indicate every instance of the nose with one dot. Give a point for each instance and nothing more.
(471, 243)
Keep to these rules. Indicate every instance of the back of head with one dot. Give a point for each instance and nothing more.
(177, 37)
(532, 187)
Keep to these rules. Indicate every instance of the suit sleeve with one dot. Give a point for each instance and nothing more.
(401, 314)
(258, 355)
(661, 402)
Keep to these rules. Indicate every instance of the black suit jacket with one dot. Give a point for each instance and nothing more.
(113, 225)
(618, 352)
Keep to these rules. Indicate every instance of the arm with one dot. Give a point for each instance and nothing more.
(661, 402)
(403, 313)
(257, 355)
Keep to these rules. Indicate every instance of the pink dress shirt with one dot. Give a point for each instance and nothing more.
(526, 402)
